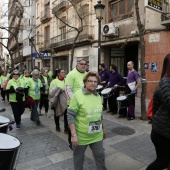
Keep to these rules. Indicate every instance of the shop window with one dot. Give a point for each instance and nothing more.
(63, 32)
(121, 9)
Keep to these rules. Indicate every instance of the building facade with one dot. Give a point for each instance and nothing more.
(120, 37)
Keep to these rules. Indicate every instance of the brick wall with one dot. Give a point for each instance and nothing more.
(157, 47)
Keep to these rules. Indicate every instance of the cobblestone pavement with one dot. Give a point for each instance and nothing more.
(127, 147)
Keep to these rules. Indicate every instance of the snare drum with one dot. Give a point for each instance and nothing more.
(4, 123)
(106, 92)
(9, 146)
(99, 88)
(122, 102)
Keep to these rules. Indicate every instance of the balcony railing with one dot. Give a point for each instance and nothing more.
(68, 37)
(45, 15)
(59, 6)
(46, 46)
(165, 16)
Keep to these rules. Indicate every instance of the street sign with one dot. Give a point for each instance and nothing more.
(156, 4)
(43, 55)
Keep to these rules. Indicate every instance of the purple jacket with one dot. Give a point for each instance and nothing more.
(116, 78)
(104, 75)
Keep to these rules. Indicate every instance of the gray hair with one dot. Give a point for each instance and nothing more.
(35, 71)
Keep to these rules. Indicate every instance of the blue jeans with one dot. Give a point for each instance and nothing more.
(34, 111)
(98, 153)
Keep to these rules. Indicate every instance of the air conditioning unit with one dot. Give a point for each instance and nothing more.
(110, 29)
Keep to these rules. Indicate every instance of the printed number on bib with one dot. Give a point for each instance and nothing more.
(95, 127)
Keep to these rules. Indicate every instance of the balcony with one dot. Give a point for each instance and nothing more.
(46, 46)
(45, 15)
(165, 16)
(67, 38)
(57, 8)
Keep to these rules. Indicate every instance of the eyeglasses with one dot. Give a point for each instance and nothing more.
(91, 81)
(83, 64)
(15, 74)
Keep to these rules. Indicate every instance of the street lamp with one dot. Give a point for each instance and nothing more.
(99, 8)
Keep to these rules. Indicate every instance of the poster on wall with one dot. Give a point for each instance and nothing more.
(154, 67)
(147, 65)
(156, 4)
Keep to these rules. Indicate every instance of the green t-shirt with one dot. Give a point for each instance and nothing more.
(33, 91)
(3, 80)
(26, 80)
(75, 79)
(89, 110)
(15, 83)
(58, 83)
(50, 74)
(8, 75)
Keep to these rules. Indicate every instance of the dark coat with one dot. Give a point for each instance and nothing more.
(161, 108)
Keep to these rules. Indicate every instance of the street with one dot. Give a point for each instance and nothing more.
(127, 147)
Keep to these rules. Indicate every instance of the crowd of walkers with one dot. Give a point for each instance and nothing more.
(78, 98)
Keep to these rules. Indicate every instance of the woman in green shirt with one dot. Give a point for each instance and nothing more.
(59, 81)
(3, 79)
(15, 88)
(34, 88)
(86, 124)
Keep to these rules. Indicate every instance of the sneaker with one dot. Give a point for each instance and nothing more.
(130, 118)
(66, 131)
(18, 126)
(47, 115)
(121, 116)
(38, 122)
(40, 113)
(31, 119)
(70, 147)
(58, 129)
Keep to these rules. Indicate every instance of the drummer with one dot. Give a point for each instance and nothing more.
(104, 78)
(115, 81)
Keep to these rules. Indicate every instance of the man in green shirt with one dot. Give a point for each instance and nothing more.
(74, 82)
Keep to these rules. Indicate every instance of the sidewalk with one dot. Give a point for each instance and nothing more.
(127, 147)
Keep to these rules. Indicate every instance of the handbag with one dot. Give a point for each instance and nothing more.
(5, 84)
(29, 101)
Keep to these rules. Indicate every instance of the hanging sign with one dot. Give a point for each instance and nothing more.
(156, 4)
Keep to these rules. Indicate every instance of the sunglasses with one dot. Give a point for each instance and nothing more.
(91, 81)
(15, 74)
(83, 64)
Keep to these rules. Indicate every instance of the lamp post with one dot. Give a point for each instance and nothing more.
(99, 8)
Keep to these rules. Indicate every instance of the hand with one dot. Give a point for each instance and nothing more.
(103, 82)
(115, 86)
(108, 83)
(104, 134)
(74, 141)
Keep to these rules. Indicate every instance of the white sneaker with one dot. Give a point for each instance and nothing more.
(47, 115)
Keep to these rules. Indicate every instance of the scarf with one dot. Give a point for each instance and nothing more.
(37, 90)
(61, 78)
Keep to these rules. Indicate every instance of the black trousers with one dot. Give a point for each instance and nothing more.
(3, 93)
(57, 120)
(44, 102)
(17, 109)
(162, 147)
(112, 102)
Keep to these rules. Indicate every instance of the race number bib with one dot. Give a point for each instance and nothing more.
(95, 127)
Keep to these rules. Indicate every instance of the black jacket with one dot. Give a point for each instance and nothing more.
(161, 108)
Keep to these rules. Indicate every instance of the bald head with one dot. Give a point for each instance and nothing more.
(130, 65)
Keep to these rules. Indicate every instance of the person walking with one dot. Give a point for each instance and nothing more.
(86, 123)
(74, 82)
(45, 80)
(104, 78)
(15, 88)
(59, 82)
(160, 134)
(34, 88)
(3, 79)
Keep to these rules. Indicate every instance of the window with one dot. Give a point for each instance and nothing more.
(123, 8)
(38, 37)
(63, 32)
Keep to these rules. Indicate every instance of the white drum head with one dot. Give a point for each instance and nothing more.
(4, 120)
(120, 98)
(8, 142)
(106, 91)
(99, 87)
